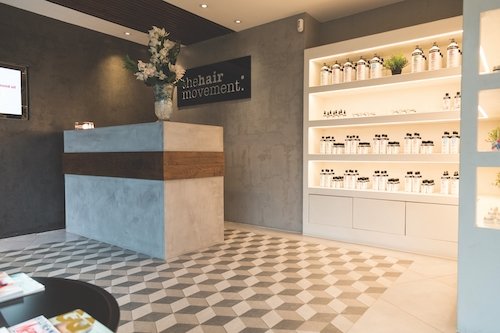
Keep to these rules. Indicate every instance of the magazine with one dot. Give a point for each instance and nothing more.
(27, 284)
(8, 288)
(78, 321)
(39, 324)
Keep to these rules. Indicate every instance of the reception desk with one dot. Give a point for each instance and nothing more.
(155, 188)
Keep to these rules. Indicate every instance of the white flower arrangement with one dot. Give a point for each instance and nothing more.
(162, 67)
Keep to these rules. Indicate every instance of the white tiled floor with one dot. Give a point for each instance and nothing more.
(422, 300)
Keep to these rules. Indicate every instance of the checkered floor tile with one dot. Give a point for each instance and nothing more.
(251, 283)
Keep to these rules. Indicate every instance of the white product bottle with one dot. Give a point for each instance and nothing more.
(408, 181)
(416, 143)
(354, 179)
(330, 179)
(445, 143)
(336, 73)
(435, 58)
(455, 183)
(445, 183)
(355, 145)
(324, 78)
(376, 144)
(376, 66)
(383, 181)
(417, 60)
(457, 102)
(454, 143)
(417, 180)
(348, 71)
(322, 176)
(322, 146)
(362, 69)
(384, 141)
(408, 142)
(347, 179)
(328, 146)
(376, 180)
(447, 102)
(453, 55)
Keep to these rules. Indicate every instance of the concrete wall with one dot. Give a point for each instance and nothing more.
(391, 17)
(75, 74)
(262, 135)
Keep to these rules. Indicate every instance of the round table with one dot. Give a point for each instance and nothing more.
(61, 296)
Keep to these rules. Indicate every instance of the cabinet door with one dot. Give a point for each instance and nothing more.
(333, 211)
(379, 215)
(432, 221)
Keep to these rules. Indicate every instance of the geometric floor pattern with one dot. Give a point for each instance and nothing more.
(251, 283)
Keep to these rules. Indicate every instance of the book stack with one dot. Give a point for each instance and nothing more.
(17, 285)
(77, 321)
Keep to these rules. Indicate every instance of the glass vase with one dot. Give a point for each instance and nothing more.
(163, 100)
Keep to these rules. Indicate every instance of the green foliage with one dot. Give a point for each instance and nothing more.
(493, 135)
(396, 62)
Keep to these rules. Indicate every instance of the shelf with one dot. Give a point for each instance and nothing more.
(488, 159)
(387, 120)
(421, 78)
(398, 158)
(489, 80)
(435, 198)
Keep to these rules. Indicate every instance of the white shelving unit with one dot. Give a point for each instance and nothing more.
(392, 105)
(479, 238)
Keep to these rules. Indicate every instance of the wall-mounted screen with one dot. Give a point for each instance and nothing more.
(13, 91)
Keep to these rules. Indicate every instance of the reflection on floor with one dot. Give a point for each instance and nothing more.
(256, 281)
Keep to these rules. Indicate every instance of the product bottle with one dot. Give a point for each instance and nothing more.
(408, 142)
(454, 183)
(453, 55)
(322, 178)
(322, 144)
(408, 181)
(354, 180)
(454, 143)
(362, 69)
(457, 102)
(355, 145)
(348, 143)
(376, 180)
(376, 67)
(417, 60)
(445, 143)
(328, 146)
(332, 145)
(348, 71)
(383, 181)
(416, 142)
(446, 102)
(347, 180)
(376, 144)
(331, 179)
(435, 58)
(445, 183)
(417, 180)
(324, 78)
(336, 73)
(384, 141)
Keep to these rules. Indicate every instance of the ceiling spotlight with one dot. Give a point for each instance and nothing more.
(237, 21)
(203, 5)
(127, 33)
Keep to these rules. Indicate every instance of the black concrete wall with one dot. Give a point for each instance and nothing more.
(75, 74)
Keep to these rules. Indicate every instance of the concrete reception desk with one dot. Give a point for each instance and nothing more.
(155, 188)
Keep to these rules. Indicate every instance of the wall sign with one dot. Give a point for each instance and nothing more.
(223, 81)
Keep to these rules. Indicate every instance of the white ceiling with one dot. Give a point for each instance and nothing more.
(256, 12)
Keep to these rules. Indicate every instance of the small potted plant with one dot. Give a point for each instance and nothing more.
(396, 63)
(494, 138)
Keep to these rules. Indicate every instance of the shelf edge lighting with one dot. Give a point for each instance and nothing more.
(482, 112)
(484, 60)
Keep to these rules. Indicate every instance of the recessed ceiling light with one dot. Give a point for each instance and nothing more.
(237, 21)
(203, 5)
(127, 33)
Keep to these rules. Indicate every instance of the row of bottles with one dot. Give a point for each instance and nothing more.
(413, 182)
(454, 104)
(492, 216)
(412, 144)
(370, 69)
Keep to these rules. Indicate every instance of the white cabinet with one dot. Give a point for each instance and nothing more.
(431, 221)
(392, 105)
(379, 215)
(330, 211)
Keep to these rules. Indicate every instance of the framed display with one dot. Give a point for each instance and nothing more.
(14, 97)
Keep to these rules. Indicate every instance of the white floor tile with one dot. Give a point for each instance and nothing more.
(430, 301)
(384, 317)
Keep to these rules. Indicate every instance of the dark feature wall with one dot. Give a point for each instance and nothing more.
(75, 74)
